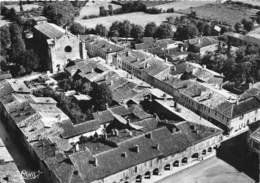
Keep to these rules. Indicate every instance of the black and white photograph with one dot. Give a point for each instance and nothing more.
(129, 91)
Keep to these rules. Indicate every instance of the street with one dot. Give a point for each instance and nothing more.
(213, 170)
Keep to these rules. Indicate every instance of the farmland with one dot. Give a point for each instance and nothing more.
(26, 7)
(181, 5)
(92, 8)
(139, 18)
(228, 13)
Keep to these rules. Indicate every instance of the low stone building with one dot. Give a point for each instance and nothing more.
(97, 46)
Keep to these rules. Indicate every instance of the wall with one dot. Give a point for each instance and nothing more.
(67, 47)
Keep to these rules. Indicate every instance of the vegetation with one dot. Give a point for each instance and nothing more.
(150, 29)
(61, 13)
(240, 68)
(101, 30)
(77, 28)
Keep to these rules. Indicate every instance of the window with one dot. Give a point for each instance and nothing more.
(68, 49)
(241, 117)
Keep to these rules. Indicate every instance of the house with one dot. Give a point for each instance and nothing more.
(160, 47)
(202, 44)
(196, 88)
(236, 39)
(56, 45)
(101, 47)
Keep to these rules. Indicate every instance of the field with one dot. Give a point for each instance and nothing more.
(139, 18)
(228, 13)
(92, 8)
(26, 7)
(3, 21)
(181, 5)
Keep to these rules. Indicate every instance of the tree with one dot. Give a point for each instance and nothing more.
(102, 11)
(150, 29)
(137, 31)
(5, 40)
(125, 28)
(28, 59)
(164, 31)
(111, 10)
(101, 30)
(4, 11)
(101, 95)
(77, 28)
(17, 43)
(11, 14)
(187, 31)
(238, 27)
(248, 25)
(60, 12)
(114, 29)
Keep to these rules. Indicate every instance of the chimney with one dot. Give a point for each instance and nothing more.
(250, 85)
(92, 70)
(130, 133)
(124, 155)
(136, 148)
(148, 135)
(156, 146)
(116, 132)
(77, 147)
(95, 162)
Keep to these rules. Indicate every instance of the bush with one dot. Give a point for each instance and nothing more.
(153, 10)
(170, 10)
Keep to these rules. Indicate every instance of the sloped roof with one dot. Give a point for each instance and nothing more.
(50, 30)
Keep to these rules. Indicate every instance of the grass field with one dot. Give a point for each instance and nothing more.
(181, 5)
(139, 18)
(228, 13)
(26, 7)
(92, 8)
(3, 21)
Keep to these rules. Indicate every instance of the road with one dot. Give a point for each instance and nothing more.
(213, 170)
(21, 159)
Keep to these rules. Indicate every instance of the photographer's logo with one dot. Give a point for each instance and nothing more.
(30, 175)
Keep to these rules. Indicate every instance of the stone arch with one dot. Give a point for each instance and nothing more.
(210, 149)
(156, 171)
(204, 152)
(176, 163)
(138, 179)
(184, 160)
(195, 155)
(147, 175)
(167, 167)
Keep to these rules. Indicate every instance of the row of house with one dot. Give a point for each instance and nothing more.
(121, 144)
(193, 86)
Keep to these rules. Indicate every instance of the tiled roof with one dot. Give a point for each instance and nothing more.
(50, 30)
(256, 135)
(203, 41)
(245, 106)
(71, 130)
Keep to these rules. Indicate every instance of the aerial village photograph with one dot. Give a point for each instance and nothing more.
(130, 91)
